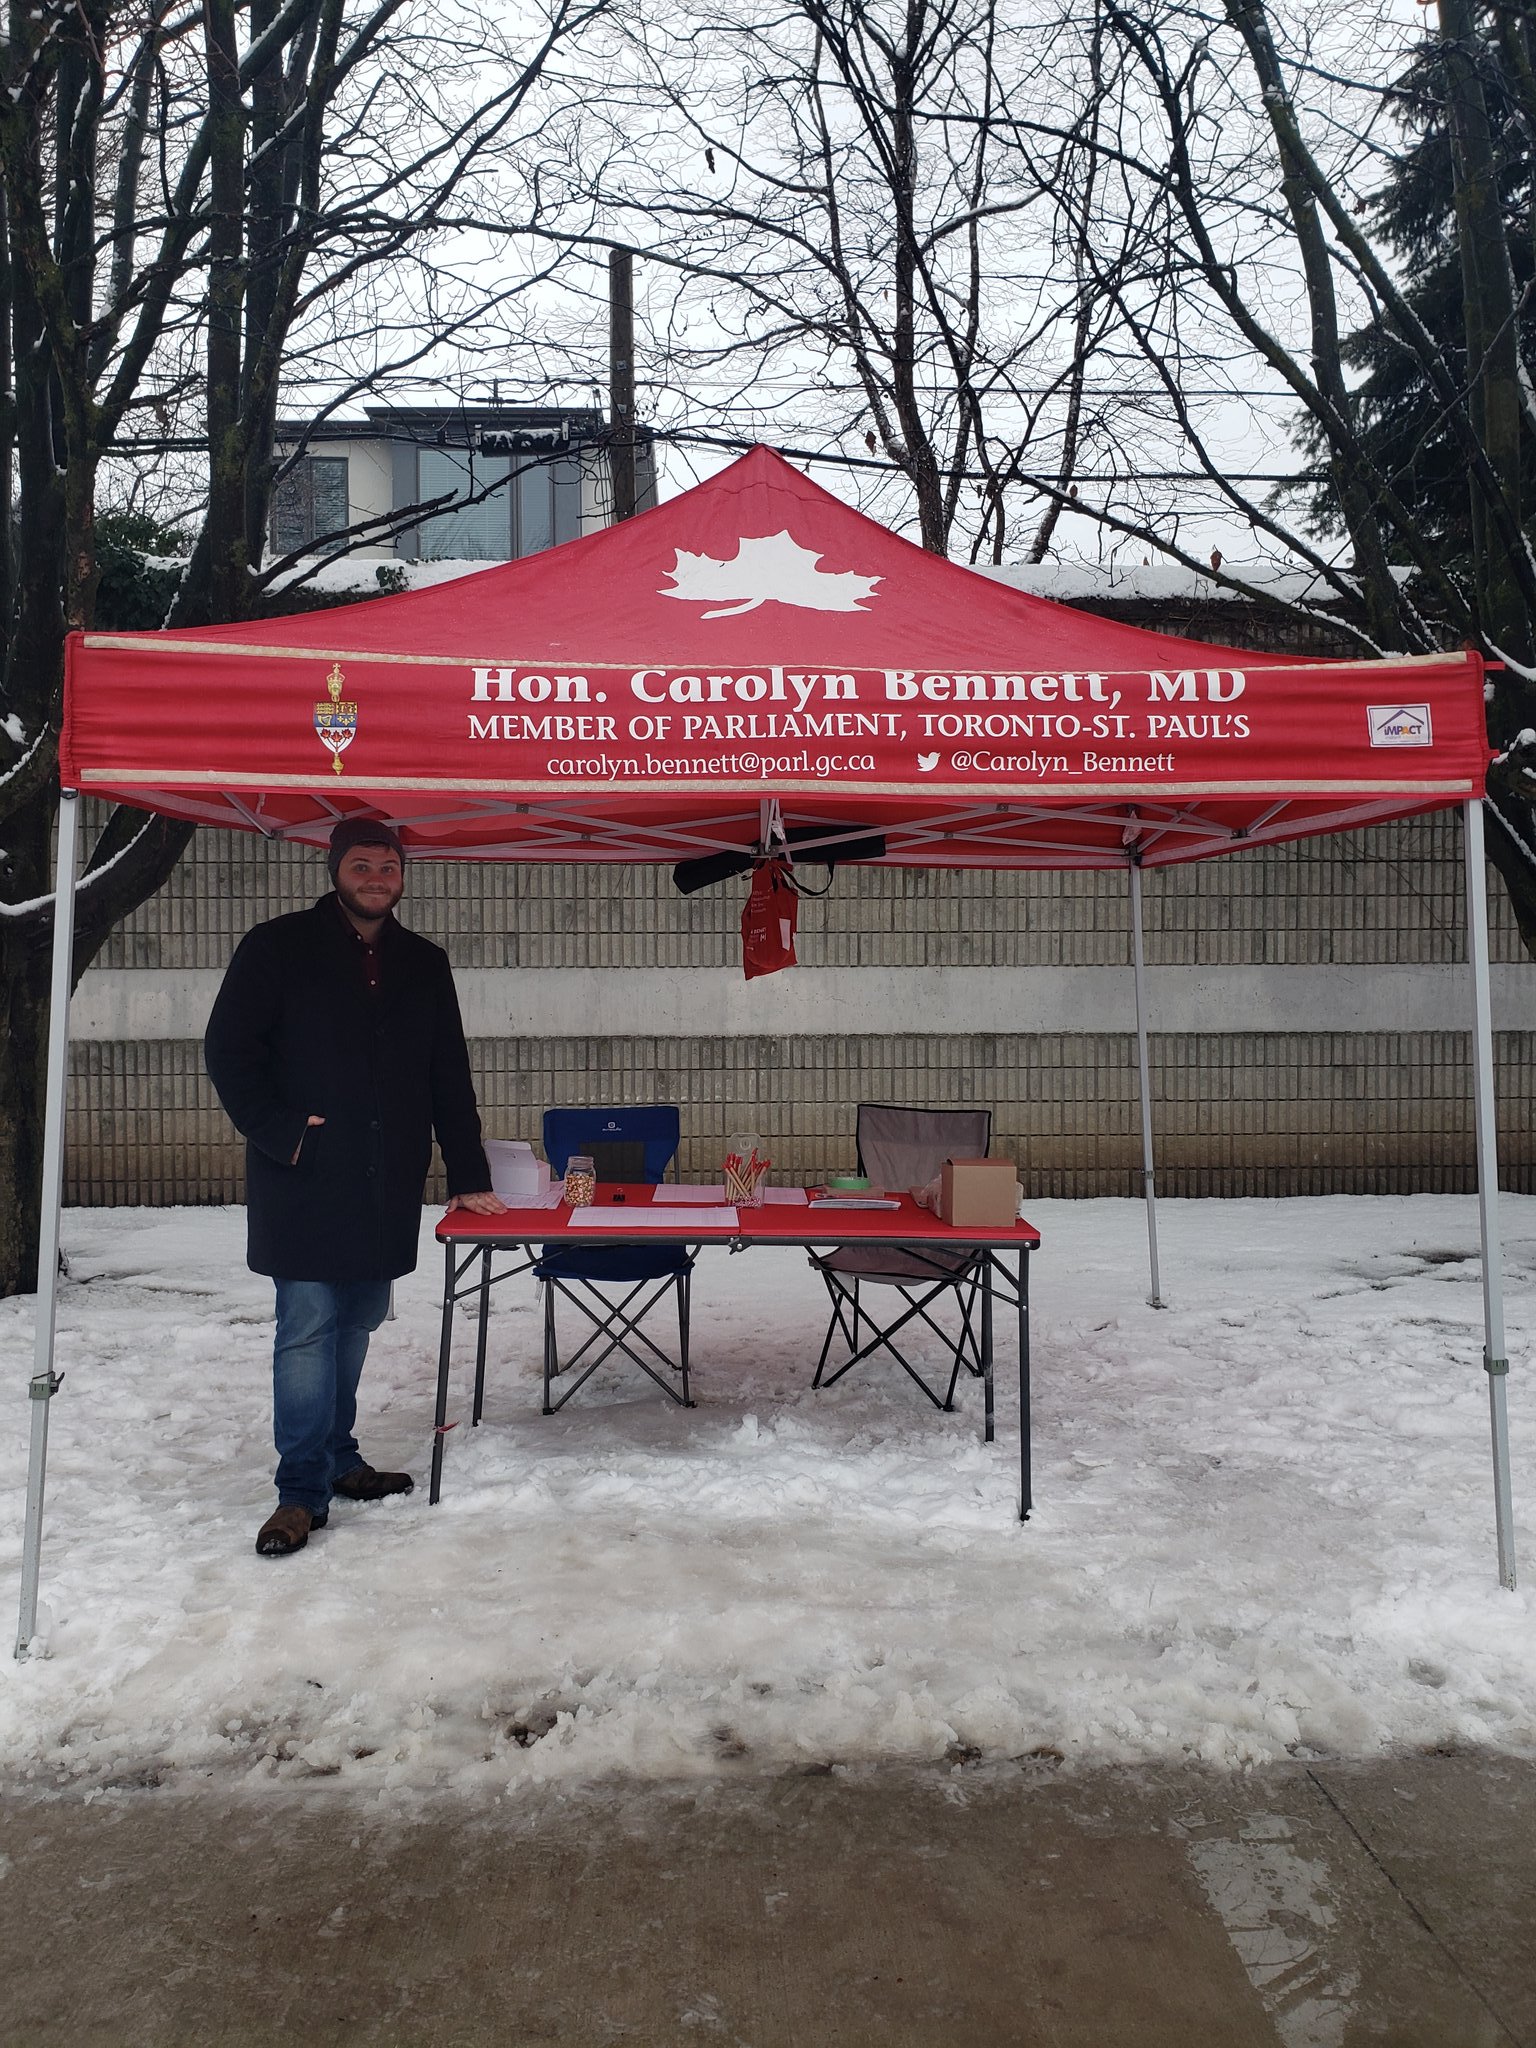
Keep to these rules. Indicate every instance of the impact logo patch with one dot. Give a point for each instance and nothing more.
(1399, 725)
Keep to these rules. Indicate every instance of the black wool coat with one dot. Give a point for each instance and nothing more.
(296, 1032)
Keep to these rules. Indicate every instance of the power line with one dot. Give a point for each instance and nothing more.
(1127, 392)
(683, 437)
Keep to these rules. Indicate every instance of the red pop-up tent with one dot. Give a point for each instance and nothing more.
(643, 694)
(750, 664)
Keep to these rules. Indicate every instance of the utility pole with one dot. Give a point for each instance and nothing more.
(621, 379)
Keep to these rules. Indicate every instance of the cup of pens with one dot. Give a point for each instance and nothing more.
(744, 1171)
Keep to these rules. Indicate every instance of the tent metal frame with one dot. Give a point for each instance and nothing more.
(45, 1381)
(973, 829)
(1144, 1082)
(1003, 833)
(1485, 1110)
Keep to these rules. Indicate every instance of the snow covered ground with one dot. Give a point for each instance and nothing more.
(1264, 1524)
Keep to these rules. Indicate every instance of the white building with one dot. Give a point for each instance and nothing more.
(517, 479)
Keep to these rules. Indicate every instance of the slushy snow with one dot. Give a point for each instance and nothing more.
(1263, 1526)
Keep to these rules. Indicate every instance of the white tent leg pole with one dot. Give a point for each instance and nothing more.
(45, 1381)
(1143, 1067)
(1495, 1356)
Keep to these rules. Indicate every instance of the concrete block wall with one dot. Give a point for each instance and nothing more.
(1390, 894)
(1310, 1001)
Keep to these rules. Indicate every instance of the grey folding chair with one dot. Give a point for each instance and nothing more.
(904, 1148)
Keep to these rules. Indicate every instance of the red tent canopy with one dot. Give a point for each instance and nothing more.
(650, 692)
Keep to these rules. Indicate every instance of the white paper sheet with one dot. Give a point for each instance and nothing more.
(633, 1216)
(548, 1198)
(853, 1202)
(785, 1198)
(691, 1191)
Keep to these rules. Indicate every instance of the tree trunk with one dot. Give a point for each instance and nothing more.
(225, 527)
(1357, 507)
(1489, 314)
(23, 1067)
(1511, 840)
(24, 969)
(922, 463)
(1492, 334)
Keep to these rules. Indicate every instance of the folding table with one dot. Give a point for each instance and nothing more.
(472, 1243)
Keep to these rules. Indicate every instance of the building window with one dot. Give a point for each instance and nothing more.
(309, 503)
(535, 507)
(514, 515)
(473, 532)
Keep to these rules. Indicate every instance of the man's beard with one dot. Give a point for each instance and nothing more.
(350, 901)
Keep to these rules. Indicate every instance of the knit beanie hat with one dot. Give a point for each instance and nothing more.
(361, 832)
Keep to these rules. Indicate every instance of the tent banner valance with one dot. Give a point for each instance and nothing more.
(349, 719)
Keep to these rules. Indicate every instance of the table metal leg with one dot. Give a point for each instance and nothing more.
(988, 1430)
(485, 1317)
(551, 1356)
(1026, 1498)
(444, 1353)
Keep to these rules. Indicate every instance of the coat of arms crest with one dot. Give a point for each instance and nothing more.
(335, 721)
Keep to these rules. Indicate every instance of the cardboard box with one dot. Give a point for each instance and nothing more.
(516, 1175)
(978, 1193)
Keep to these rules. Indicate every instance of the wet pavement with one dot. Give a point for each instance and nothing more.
(1314, 1906)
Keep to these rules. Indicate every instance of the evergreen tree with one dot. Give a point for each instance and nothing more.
(1400, 419)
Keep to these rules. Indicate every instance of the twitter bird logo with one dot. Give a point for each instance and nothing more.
(927, 762)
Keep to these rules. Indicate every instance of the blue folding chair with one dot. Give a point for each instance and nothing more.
(637, 1144)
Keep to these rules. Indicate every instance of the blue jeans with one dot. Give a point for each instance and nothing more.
(322, 1340)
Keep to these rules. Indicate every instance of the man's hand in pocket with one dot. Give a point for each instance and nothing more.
(314, 1120)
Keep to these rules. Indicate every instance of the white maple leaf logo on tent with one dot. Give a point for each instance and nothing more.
(771, 569)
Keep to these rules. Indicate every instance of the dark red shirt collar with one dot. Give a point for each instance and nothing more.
(369, 953)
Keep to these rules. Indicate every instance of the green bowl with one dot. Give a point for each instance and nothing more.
(848, 1183)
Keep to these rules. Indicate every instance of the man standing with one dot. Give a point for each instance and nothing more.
(336, 1048)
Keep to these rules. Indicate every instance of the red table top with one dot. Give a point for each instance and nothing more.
(768, 1223)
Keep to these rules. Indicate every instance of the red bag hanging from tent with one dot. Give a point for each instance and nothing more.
(768, 921)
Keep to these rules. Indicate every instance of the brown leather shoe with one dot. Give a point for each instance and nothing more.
(363, 1483)
(287, 1530)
